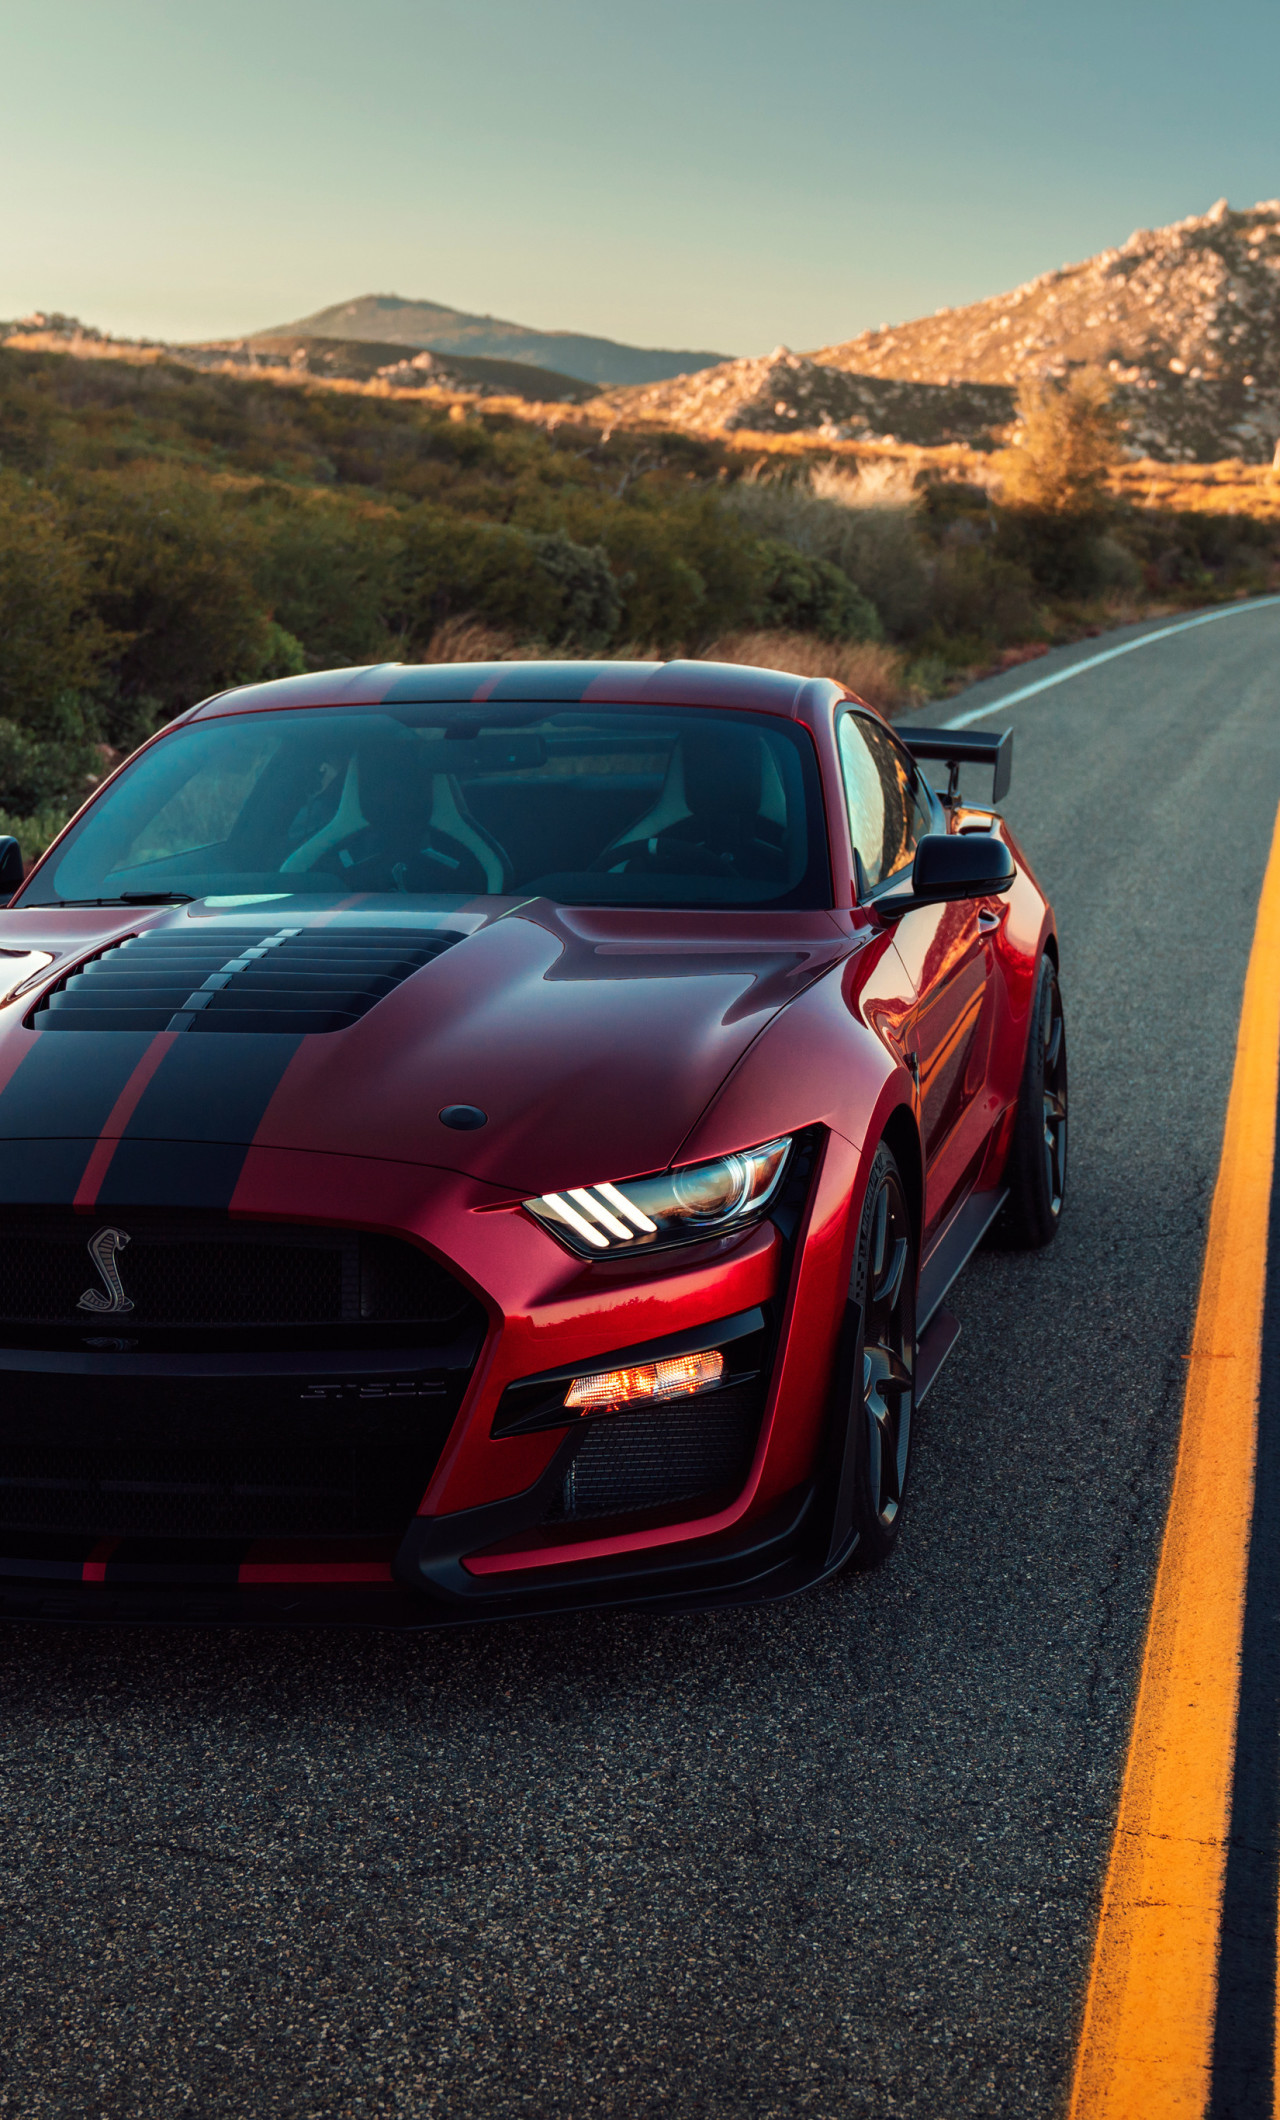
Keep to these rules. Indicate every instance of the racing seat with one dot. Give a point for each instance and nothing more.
(397, 827)
(722, 810)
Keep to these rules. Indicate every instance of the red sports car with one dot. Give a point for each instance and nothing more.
(495, 1139)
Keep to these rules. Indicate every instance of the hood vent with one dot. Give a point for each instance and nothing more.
(291, 981)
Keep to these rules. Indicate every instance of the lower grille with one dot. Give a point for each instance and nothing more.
(210, 1494)
(634, 1461)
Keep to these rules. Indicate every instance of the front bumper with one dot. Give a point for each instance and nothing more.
(491, 1537)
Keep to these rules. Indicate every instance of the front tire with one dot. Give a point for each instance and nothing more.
(1036, 1172)
(884, 1284)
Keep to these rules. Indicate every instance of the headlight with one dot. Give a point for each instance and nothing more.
(703, 1200)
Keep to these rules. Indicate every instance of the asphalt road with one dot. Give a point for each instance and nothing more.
(839, 1857)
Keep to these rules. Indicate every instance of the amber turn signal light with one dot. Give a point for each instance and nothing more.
(678, 1378)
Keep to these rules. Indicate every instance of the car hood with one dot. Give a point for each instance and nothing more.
(591, 1041)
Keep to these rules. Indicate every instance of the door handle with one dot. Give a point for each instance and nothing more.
(989, 919)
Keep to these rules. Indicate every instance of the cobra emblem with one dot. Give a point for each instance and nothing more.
(103, 1250)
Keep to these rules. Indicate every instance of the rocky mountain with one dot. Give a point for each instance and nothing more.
(793, 393)
(372, 360)
(1186, 319)
(430, 327)
(297, 354)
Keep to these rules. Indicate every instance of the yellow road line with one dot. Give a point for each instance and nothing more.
(1145, 2045)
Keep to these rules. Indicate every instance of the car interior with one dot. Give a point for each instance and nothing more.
(628, 809)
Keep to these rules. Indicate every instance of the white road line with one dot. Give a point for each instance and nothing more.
(1184, 625)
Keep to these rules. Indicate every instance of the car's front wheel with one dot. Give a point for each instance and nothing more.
(884, 1284)
(1036, 1172)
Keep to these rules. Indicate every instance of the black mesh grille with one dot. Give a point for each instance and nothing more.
(288, 980)
(269, 1380)
(246, 1493)
(666, 1454)
(205, 1273)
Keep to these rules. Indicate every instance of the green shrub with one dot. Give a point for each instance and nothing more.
(590, 605)
(35, 833)
(52, 641)
(806, 595)
(331, 573)
(543, 587)
(866, 524)
(687, 569)
(174, 580)
(980, 597)
(41, 773)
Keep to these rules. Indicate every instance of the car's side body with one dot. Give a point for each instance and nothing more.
(600, 1043)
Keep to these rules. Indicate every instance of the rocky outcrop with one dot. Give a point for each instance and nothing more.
(791, 393)
(1185, 320)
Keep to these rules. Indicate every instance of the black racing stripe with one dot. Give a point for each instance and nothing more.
(1244, 2024)
(172, 1174)
(42, 1173)
(551, 681)
(565, 682)
(422, 687)
(69, 1085)
(211, 1089)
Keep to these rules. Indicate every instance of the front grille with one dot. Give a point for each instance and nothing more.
(269, 1380)
(208, 1272)
(666, 1454)
(289, 980)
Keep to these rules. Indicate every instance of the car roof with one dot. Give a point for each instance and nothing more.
(676, 683)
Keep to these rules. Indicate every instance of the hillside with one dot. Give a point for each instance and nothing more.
(371, 360)
(429, 326)
(793, 393)
(1186, 319)
(169, 527)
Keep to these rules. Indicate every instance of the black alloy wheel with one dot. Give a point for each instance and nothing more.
(1036, 1172)
(884, 1284)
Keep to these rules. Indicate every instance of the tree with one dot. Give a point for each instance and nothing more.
(51, 646)
(51, 641)
(1067, 447)
(1056, 498)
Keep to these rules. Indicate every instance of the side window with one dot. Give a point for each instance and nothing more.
(888, 809)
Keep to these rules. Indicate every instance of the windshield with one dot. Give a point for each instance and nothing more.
(599, 807)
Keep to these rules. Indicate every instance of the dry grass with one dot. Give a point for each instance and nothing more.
(466, 639)
(869, 668)
(876, 673)
(1228, 487)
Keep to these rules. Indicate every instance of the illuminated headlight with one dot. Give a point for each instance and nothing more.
(680, 1377)
(703, 1200)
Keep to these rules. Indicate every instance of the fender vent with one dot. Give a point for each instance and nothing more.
(294, 980)
(667, 1454)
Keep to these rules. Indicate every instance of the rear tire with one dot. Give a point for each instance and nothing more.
(1036, 1171)
(884, 1284)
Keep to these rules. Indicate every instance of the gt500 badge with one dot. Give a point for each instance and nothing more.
(401, 1388)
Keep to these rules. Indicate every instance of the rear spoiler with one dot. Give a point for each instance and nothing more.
(954, 748)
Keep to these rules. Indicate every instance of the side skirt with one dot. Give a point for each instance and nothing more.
(952, 1249)
(933, 1346)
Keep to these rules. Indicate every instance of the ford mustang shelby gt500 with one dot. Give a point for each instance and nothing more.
(494, 1139)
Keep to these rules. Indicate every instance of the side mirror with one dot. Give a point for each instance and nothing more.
(950, 866)
(11, 869)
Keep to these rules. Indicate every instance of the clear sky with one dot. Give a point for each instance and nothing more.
(696, 173)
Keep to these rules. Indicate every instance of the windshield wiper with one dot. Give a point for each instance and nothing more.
(124, 898)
